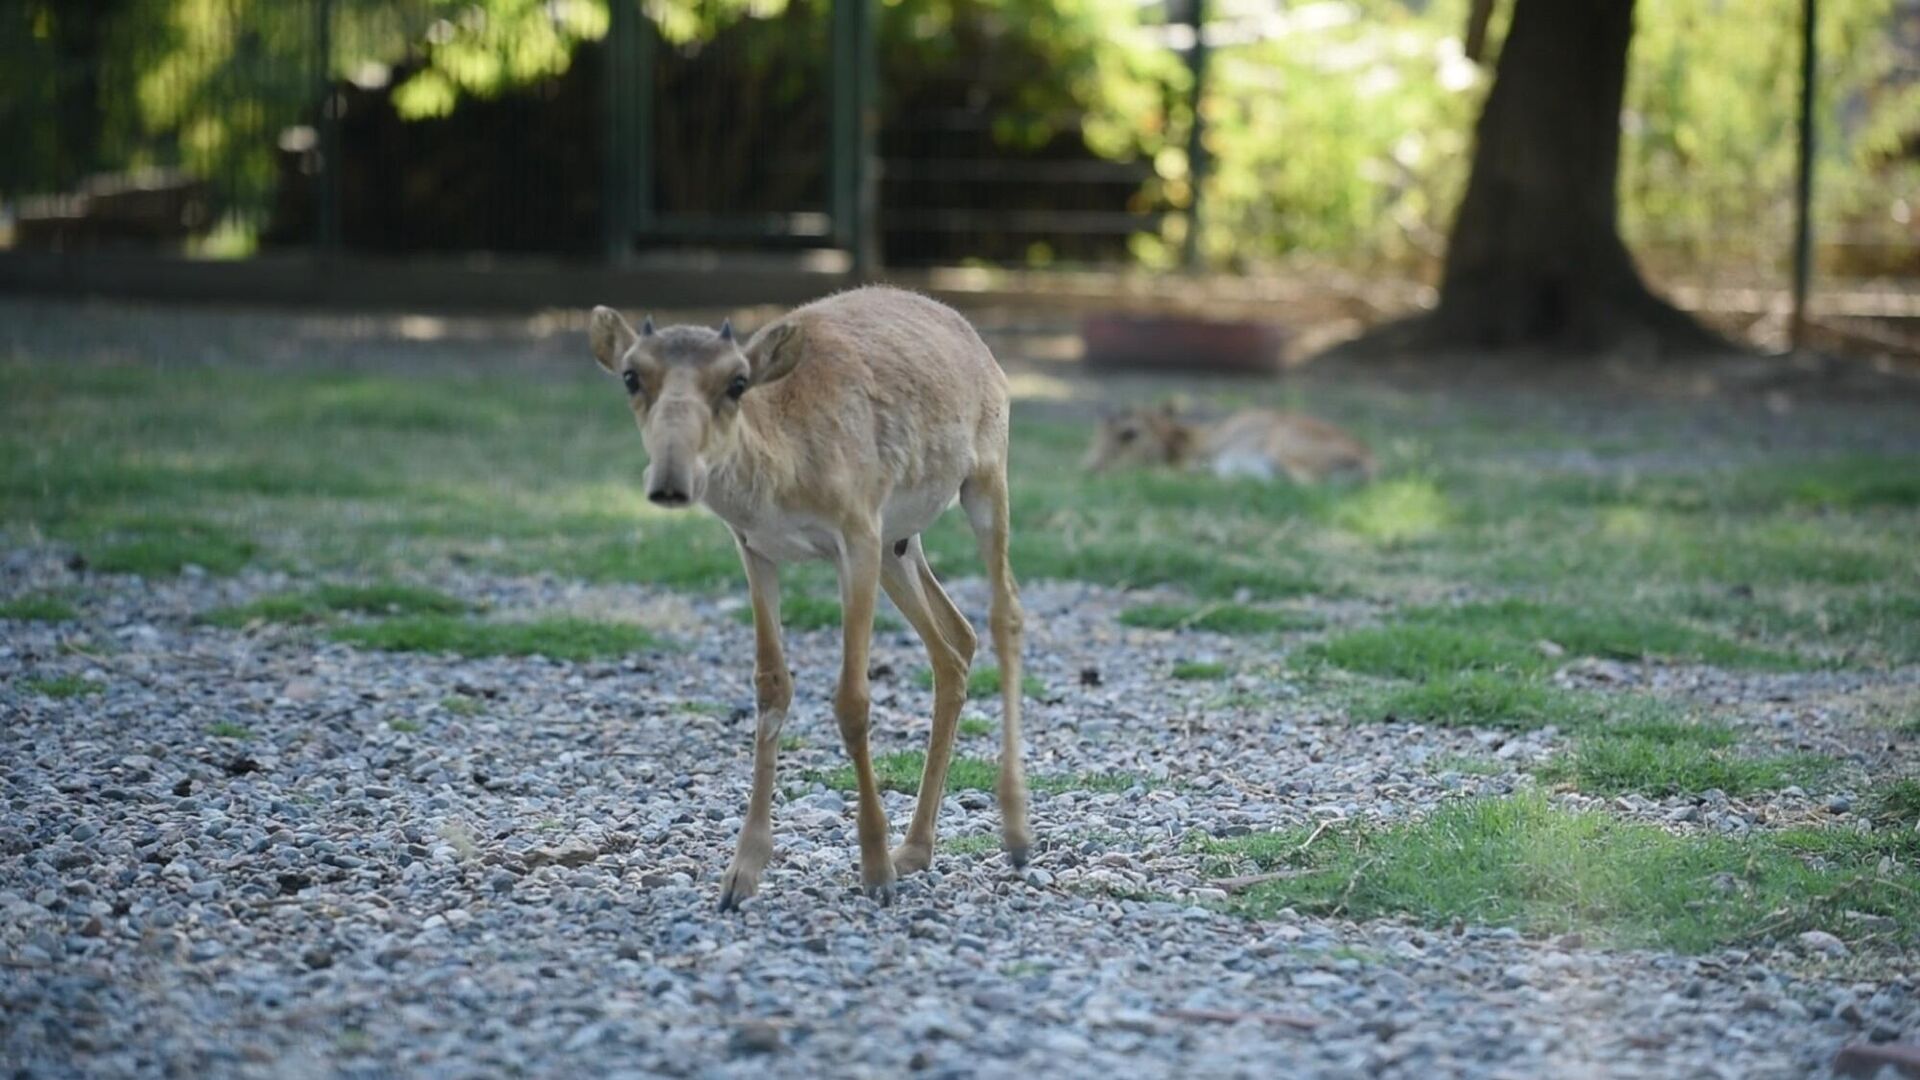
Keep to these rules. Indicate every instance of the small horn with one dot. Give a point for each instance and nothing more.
(726, 329)
(646, 327)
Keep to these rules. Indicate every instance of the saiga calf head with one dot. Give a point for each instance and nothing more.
(685, 385)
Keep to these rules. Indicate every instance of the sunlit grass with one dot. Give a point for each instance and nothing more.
(1394, 511)
(1523, 862)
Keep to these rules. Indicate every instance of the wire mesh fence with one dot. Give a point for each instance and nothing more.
(941, 132)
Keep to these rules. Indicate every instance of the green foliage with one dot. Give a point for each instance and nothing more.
(558, 639)
(37, 607)
(974, 727)
(1705, 94)
(61, 687)
(1219, 618)
(1196, 670)
(226, 729)
(1524, 862)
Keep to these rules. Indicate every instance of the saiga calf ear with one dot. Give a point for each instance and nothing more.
(610, 336)
(774, 352)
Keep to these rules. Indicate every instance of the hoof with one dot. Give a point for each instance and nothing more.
(908, 859)
(736, 887)
(878, 885)
(1017, 855)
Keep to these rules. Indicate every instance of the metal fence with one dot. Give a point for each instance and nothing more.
(604, 129)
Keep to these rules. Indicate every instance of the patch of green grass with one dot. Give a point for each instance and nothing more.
(1394, 511)
(984, 682)
(162, 548)
(1430, 643)
(1421, 651)
(1219, 618)
(902, 771)
(61, 686)
(557, 638)
(462, 705)
(409, 727)
(974, 727)
(1523, 862)
(1593, 631)
(971, 844)
(790, 743)
(1897, 803)
(704, 708)
(804, 612)
(1482, 699)
(1198, 670)
(315, 605)
(226, 729)
(37, 607)
(1611, 765)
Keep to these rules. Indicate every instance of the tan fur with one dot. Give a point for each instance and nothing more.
(867, 414)
(1252, 442)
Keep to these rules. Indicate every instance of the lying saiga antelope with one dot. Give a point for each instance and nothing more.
(1259, 443)
(840, 432)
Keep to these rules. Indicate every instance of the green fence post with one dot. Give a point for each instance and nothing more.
(327, 231)
(1196, 131)
(617, 80)
(854, 123)
(1803, 186)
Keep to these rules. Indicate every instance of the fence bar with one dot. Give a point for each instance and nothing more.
(617, 173)
(327, 232)
(853, 179)
(1196, 131)
(1803, 187)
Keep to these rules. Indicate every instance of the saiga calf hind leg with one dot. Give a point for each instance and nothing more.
(950, 642)
(984, 497)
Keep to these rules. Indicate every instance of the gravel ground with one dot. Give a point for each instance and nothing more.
(374, 883)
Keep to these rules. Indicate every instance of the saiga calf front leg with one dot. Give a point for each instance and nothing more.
(859, 582)
(773, 695)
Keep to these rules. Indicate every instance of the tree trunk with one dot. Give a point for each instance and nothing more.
(1535, 257)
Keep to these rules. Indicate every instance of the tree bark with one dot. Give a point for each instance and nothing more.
(1535, 256)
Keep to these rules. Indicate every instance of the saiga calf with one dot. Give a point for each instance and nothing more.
(841, 431)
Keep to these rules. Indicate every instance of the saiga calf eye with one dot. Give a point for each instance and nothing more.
(737, 387)
(632, 379)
